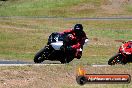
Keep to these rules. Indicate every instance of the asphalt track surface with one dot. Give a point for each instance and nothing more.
(24, 63)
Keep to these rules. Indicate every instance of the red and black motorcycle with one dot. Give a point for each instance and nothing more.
(124, 55)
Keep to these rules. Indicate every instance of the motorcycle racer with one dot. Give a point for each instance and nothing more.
(78, 36)
(124, 54)
(63, 46)
(127, 48)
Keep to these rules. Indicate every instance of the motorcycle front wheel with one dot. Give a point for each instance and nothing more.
(116, 59)
(41, 55)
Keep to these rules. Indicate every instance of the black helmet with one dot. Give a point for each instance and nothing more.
(78, 27)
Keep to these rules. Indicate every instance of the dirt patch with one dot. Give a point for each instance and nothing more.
(115, 6)
(83, 7)
(16, 78)
(95, 39)
(52, 76)
(120, 41)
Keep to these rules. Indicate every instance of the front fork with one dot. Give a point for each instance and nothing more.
(124, 58)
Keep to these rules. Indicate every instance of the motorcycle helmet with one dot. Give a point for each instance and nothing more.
(78, 28)
(129, 44)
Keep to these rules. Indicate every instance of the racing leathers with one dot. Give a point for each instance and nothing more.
(127, 48)
(78, 40)
(126, 51)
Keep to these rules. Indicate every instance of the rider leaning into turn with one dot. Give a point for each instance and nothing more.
(127, 47)
(78, 35)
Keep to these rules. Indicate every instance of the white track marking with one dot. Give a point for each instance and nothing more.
(29, 64)
(100, 65)
(46, 65)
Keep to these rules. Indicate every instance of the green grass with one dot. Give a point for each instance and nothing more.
(21, 38)
(59, 8)
(36, 8)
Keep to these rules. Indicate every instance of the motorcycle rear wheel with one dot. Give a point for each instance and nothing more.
(66, 60)
(68, 57)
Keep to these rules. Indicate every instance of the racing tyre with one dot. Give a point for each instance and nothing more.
(66, 60)
(41, 55)
(114, 60)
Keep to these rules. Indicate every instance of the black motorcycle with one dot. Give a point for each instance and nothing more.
(56, 49)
